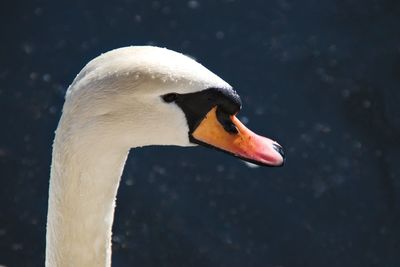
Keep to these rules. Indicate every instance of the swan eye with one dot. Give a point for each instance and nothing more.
(170, 97)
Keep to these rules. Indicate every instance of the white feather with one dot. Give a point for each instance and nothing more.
(113, 104)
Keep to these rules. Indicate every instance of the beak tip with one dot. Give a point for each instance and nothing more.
(278, 148)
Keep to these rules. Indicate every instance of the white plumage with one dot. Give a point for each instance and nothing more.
(113, 104)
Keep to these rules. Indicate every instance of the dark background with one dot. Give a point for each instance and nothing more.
(322, 77)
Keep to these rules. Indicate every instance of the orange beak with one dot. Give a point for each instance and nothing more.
(243, 144)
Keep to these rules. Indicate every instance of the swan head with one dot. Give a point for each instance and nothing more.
(144, 95)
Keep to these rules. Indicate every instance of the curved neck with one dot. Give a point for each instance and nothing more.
(85, 175)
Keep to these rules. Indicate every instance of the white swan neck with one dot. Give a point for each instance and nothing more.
(85, 175)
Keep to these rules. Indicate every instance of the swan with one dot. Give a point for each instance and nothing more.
(126, 98)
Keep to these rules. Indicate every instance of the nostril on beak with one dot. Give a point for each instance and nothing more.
(279, 149)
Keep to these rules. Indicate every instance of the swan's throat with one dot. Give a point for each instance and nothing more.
(85, 175)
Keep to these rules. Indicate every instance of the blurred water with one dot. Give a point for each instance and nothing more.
(320, 77)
